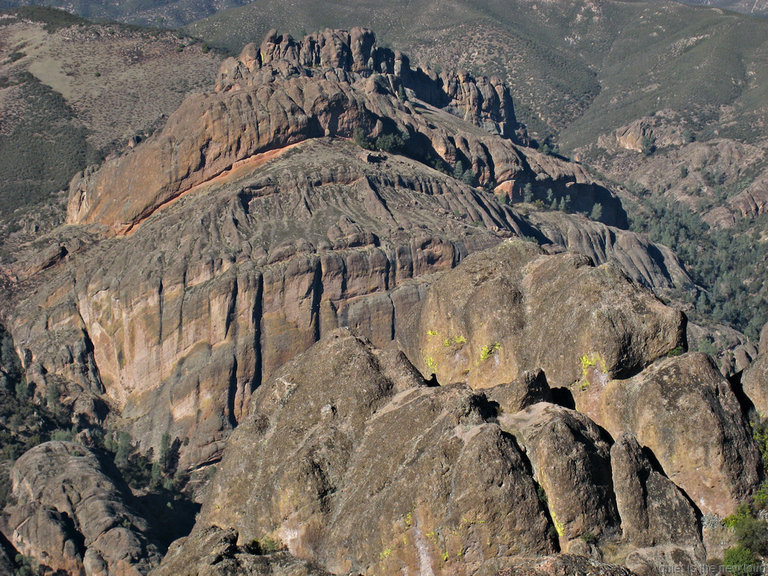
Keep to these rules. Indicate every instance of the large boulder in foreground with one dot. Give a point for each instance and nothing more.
(515, 308)
(570, 457)
(686, 413)
(70, 516)
(653, 510)
(349, 459)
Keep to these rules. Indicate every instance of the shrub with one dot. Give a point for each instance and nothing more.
(648, 145)
(528, 193)
(739, 561)
(361, 139)
(752, 534)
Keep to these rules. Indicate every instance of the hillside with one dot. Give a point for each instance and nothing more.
(73, 92)
(323, 319)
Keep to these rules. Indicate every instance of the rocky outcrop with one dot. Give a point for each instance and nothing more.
(527, 389)
(350, 460)
(646, 134)
(753, 201)
(214, 552)
(570, 457)
(489, 320)
(260, 229)
(242, 275)
(376, 471)
(754, 381)
(652, 265)
(331, 84)
(714, 461)
(653, 510)
(561, 564)
(70, 516)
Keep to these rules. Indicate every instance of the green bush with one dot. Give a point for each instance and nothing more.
(752, 534)
(740, 561)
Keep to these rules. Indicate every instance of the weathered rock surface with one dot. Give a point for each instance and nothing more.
(653, 510)
(70, 516)
(662, 130)
(685, 412)
(659, 560)
(488, 320)
(652, 265)
(527, 389)
(329, 84)
(376, 472)
(242, 275)
(754, 381)
(214, 552)
(570, 457)
(258, 234)
(562, 564)
(755, 384)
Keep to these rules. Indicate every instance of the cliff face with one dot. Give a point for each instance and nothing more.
(246, 229)
(284, 92)
(239, 277)
(198, 272)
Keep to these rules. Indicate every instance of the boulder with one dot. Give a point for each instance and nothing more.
(350, 460)
(653, 510)
(754, 380)
(527, 389)
(515, 308)
(570, 458)
(684, 411)
(69, 515)
(214, 552)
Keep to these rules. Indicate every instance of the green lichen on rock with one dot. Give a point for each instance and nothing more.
(489, 350)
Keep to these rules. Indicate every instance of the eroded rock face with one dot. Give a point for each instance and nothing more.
(214, 552)
(561, 564)
(755, 378)
(70, 516)
(570, 457)
(685, 412)
(240, 276)
(330, 84)
(376, 471)
(492, 318)
(653, 510)
(652, 265)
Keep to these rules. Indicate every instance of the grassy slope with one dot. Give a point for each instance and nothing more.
(72, 91)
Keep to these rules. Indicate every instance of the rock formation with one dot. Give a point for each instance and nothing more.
(259, 233)
(70, 516)
(487, 320)
(714, 460)
(570, 457)
(349, 459)
(653, 510)
(330, 84)
(755, 378)
(240, 282)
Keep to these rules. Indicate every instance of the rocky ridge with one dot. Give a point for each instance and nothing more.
(262, 229)
(260, 233)
(284, 91)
